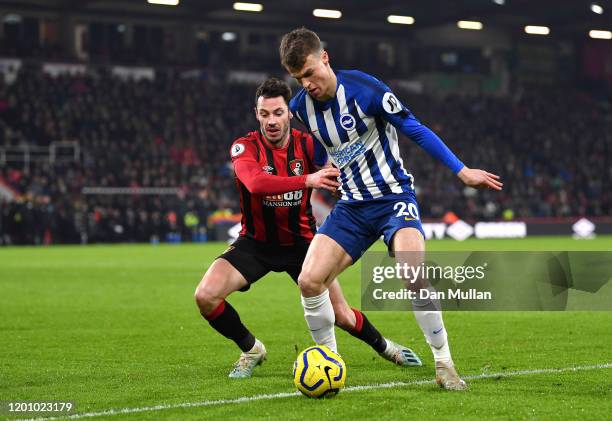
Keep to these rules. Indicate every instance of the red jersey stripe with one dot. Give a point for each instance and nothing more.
(281, 219)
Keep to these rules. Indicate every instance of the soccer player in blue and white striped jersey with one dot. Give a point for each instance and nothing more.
(355, 118)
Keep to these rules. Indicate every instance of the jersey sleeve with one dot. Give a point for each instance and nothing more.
(254, 178)
(383, 102)
(243, 149)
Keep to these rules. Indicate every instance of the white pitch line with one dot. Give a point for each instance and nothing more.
(110, 412)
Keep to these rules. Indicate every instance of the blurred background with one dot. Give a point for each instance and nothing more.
(116, 116)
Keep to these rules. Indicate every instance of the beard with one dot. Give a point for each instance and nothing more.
(279, 136)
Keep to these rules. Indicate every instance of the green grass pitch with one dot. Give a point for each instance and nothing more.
(113, 328)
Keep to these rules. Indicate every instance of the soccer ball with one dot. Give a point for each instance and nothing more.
(319, 372)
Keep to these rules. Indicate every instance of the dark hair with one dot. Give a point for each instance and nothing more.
(272, 88)
(296, 46)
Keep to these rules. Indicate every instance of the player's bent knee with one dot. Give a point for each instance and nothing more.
(206, 300)
(309, 285)
(207, 295)
(202, 299)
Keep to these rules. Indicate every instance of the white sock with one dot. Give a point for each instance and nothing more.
(319, 315)
(432, 325)
(388, 349)
(257, 347)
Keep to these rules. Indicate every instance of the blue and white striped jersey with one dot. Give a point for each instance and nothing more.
(357, 128)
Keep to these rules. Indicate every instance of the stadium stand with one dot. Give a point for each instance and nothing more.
(174, 132)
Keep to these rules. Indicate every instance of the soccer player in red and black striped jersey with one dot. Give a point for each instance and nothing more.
(275, 183)
(276, 170)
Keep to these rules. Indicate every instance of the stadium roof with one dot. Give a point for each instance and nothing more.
(565, 15)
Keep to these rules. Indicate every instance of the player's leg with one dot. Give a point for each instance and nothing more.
(358, 325)
(409, 247)
(427, 312)
(324, 261)
(220, 280)
(340, 242)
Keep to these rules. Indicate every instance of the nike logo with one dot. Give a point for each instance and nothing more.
(408, 219)
(327, 370)
(435, 332)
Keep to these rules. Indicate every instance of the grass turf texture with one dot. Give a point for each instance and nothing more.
(112, 327)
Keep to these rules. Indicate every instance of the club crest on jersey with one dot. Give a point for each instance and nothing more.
(347, 121)
(297, 166)
(268, 169)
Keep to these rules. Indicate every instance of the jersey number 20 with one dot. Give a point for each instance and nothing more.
(401, 207)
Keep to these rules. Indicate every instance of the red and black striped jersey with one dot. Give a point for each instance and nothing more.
(274, 200)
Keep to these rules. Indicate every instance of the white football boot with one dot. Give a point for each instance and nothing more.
(447, 377)
(400, 355)
(243, 368)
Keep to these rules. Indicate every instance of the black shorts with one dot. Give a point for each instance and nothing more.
(254, 259)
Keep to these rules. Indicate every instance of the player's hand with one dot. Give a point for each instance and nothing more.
(324, 179)
(480, 179)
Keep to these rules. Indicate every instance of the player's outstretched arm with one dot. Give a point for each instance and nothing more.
(259, 182)
(479, 179)
(429, 141)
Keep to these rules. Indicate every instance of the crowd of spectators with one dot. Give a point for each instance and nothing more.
(551, 147)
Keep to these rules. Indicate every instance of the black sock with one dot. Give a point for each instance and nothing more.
(366, 331)
(225, 320)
